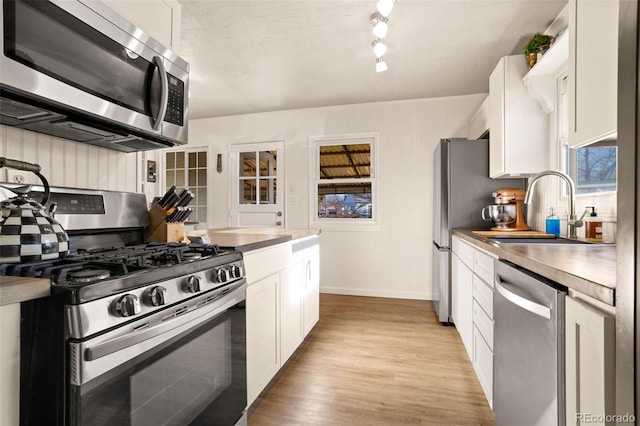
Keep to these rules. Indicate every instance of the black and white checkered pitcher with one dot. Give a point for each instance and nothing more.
(27, 231)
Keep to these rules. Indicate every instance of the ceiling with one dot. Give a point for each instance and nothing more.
(264, 55)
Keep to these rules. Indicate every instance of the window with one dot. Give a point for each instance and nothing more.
(258, 177)
(188, 169)
(593, 168)
(344, 181)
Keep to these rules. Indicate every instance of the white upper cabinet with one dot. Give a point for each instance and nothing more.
(479, 122)
(519, 131)
(161, 19)
(593, 70)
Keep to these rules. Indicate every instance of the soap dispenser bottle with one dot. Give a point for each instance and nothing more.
(593, 226)
(552, 223)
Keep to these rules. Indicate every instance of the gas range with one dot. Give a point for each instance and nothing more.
(111, 275)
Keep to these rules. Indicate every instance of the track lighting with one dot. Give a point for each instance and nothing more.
(380, 25)
(379, 48)
(384, 7)
(381, 65)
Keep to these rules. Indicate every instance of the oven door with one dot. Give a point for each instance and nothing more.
(68, 53)
(184, 365)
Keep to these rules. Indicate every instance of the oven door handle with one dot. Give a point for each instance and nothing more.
(176, 318)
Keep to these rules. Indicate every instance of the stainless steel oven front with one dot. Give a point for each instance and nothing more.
(185, 365)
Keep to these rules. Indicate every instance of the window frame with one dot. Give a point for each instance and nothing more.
(346, 224)
(209, 187)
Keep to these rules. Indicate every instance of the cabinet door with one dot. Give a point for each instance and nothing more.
(519, 128)
(291, 293)
(483, 364)
(161, 19)
(263, 349)
(311, 307)
(462, 301)
(593, 70)
(590, 361)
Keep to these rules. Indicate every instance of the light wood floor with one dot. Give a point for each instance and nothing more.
(375, 361)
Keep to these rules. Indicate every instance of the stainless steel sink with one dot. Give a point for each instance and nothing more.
(539, 241)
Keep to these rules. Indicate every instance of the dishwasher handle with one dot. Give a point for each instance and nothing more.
(524, 303)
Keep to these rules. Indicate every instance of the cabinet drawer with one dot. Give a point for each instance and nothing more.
(483, 364)
(483, 294)
(483, 266)
(463, 250)
(483, 323)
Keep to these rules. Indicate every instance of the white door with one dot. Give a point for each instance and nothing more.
(257, 185)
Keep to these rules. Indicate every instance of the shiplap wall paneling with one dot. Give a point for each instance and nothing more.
(70, 164)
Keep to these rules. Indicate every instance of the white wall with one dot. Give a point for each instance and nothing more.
(394, 261)
(70, 164)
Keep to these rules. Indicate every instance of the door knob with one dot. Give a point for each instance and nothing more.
(278, 223)
(279, 214)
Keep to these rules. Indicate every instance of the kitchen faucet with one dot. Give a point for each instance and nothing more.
(573, 223)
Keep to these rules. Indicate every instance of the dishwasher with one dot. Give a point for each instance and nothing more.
(528, 348)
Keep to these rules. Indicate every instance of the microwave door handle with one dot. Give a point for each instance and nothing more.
(164, 98)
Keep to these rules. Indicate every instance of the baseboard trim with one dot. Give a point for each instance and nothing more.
(375, 293)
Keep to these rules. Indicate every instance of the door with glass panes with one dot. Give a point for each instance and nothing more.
(257, 185)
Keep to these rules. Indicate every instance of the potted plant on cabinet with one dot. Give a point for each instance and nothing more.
(539, 43)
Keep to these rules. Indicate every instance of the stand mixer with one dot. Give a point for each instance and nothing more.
(508, 211)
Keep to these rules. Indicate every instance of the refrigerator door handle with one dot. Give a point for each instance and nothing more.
(440, 248)
(524, 303)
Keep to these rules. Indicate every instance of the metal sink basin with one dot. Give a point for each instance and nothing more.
(539, 241)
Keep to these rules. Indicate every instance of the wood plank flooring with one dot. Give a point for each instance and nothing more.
(375, 361)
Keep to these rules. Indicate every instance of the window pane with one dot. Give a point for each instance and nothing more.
(202, 177)
(192, 160)
(201, 195)
(247, 164)
(179, 160)
(352, 200)
(170, 178)
(202, 159)
(171, 160)
(345, 161)
(267, 191)
(193, 177)
(247, 191)
(593, 168)
(268, 163)
(179, 178)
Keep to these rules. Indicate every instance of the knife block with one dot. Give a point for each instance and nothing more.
(161, 231)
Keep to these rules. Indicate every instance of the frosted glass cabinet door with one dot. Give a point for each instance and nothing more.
(590, 362)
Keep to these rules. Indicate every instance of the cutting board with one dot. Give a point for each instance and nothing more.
(513, 234)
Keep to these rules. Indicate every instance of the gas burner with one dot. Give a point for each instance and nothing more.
(191, 255)
(88, 275)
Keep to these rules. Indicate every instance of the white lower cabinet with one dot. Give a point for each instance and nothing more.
(590, 363)
(462, 301)
(282, 306)
(311, 284)
(263, 343)
(291, 293)
(472, 307)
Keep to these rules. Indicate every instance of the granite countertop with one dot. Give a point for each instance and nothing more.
(247, 239)
(587, 268)
(21, 289)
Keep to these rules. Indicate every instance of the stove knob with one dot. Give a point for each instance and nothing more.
(221, 275)
(235, 271)
(128, 305)
(193, 284)
(157, 296)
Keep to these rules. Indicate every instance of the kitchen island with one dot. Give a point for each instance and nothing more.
(587, 268)
(248, 239)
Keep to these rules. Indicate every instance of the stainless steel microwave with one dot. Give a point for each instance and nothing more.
(75, 69)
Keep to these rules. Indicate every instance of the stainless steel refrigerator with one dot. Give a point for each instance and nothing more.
(462, 187)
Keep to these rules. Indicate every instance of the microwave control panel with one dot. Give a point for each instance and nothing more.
(175, 104)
